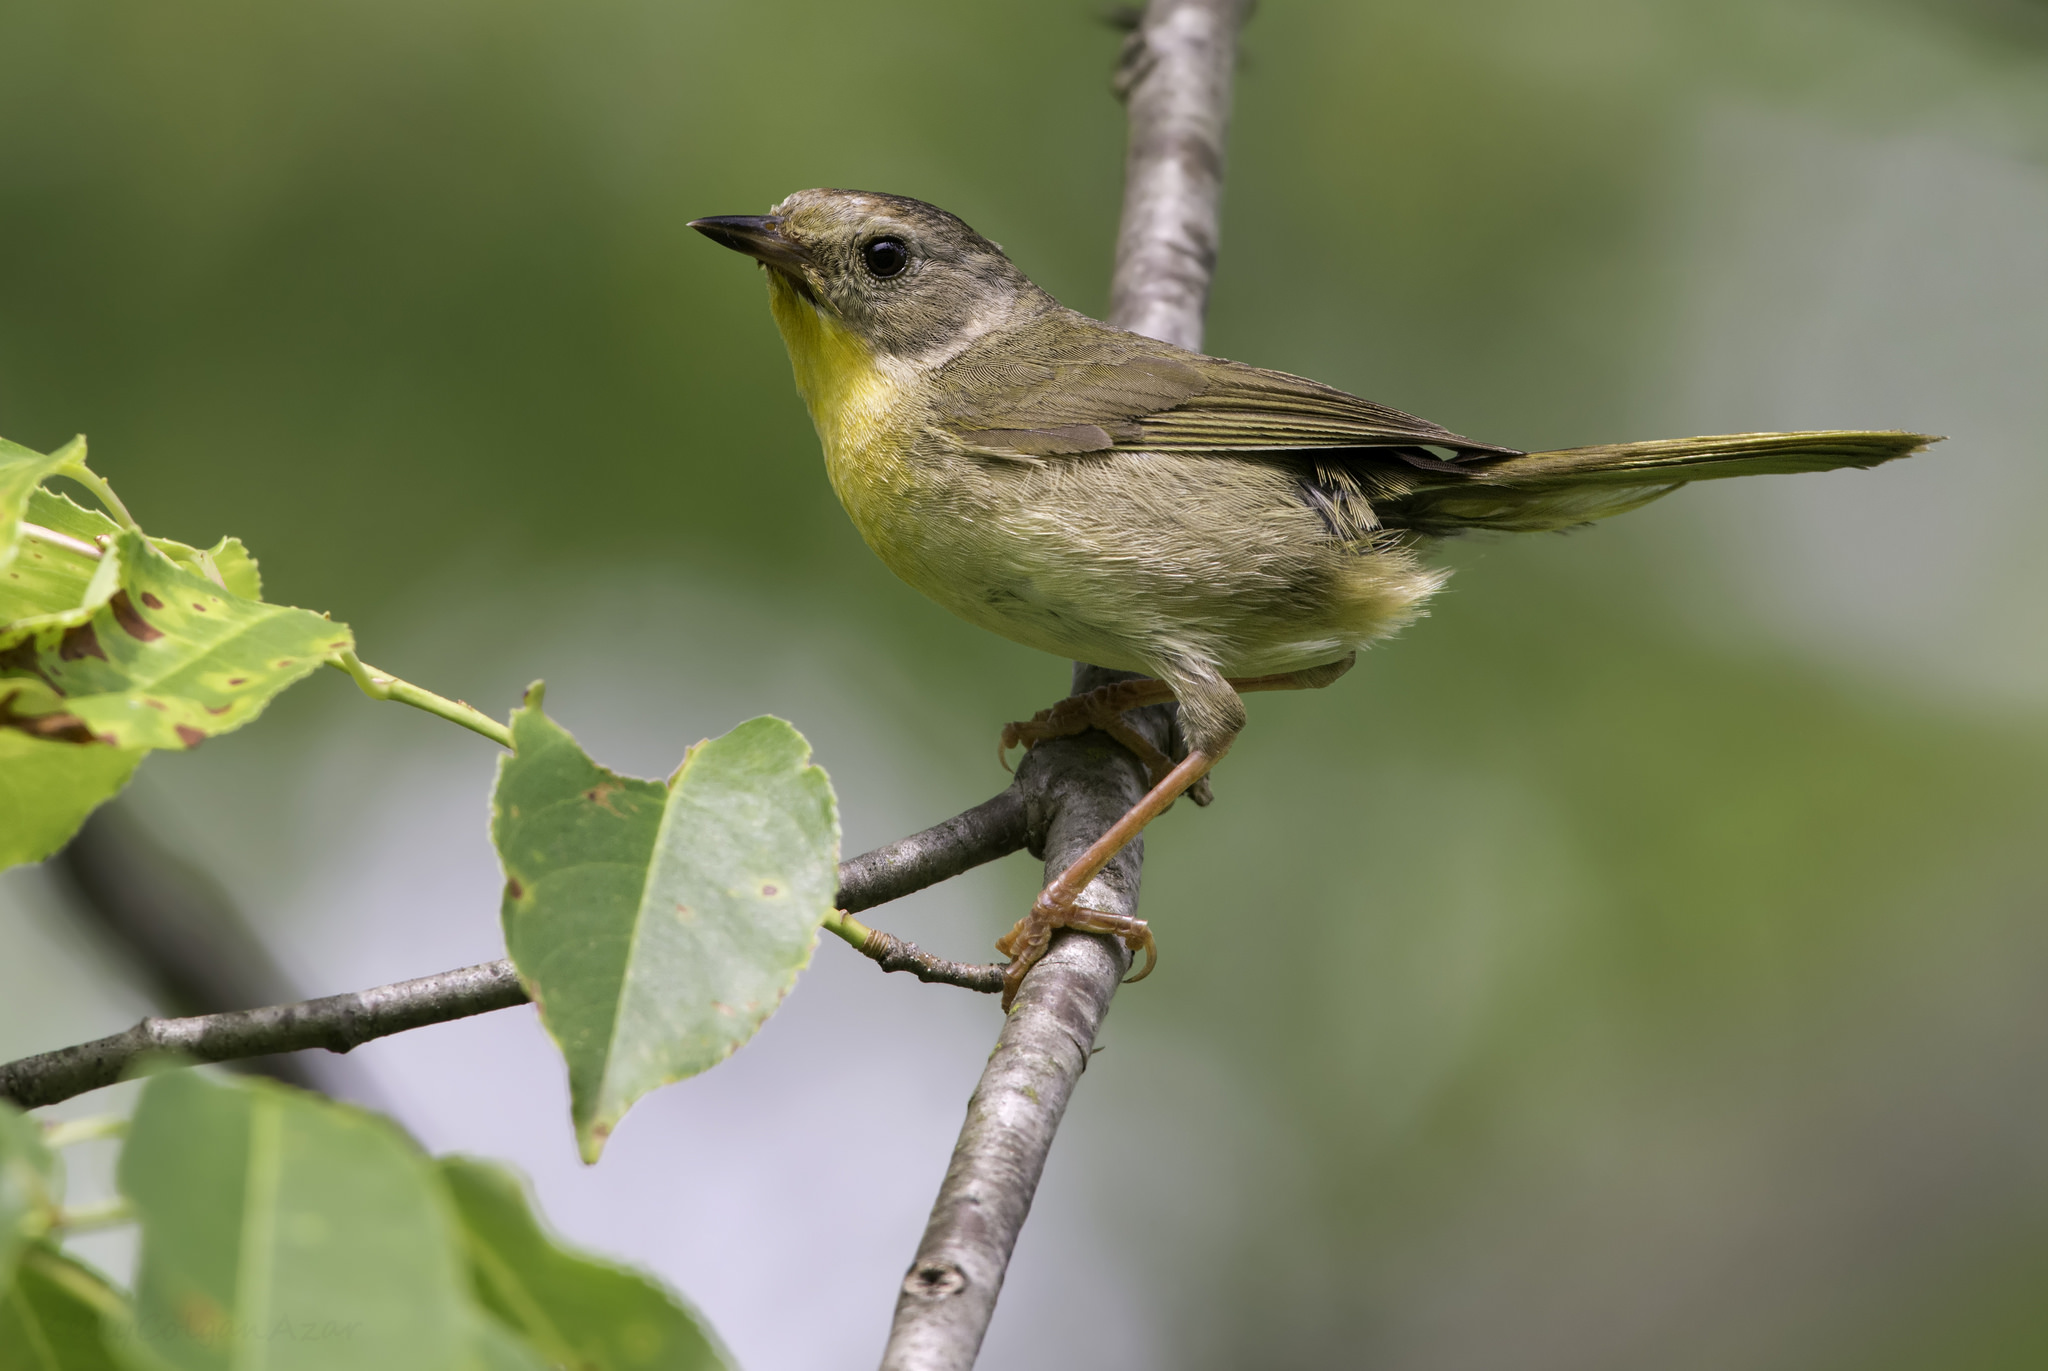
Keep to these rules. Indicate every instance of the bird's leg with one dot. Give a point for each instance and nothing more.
(1055, 906)
(1101, 708)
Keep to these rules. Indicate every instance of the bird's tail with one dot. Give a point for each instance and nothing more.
(1550, 490)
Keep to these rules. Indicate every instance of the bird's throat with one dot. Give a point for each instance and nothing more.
(852, 397)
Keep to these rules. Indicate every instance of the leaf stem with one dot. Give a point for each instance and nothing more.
(78, 471)
(90, 1218)
(382, 685)
(846, 926)
(64, 540)
(65, 1132)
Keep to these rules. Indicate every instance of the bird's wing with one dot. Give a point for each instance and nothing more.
(1095, 389)
(1065, 392)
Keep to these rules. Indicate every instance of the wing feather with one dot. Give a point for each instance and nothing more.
(1058, 389)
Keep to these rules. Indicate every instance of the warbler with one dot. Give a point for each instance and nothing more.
(1112, 498)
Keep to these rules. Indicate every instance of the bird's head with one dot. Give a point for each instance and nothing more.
(908, 280)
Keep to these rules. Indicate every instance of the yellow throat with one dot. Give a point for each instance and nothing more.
(852, 400)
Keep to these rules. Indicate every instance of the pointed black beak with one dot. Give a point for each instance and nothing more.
(758, 236)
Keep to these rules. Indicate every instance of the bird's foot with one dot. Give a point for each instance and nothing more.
(1025, 943)
(1103, 709)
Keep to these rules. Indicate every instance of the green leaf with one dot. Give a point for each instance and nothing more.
(657, 926)
(51, 573)
(47, 789)
(31, 1187)
(60, 1315)
(169, 660)
(284, 1231)
(21, 471)
(574, 1310)
(54, 565)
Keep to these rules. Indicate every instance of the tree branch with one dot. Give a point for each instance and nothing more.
(990, 830)
(1175, 75)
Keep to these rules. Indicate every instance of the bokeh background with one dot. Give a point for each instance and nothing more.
(1640, 963)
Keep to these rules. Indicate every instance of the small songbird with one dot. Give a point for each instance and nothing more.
(1108, 497)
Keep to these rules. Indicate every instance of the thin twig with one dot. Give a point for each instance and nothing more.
(1175, 75)
(892, 953)
(990, 830)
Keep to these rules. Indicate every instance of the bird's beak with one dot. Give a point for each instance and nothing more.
(759, 236)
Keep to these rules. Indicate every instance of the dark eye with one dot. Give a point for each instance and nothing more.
(885, 257)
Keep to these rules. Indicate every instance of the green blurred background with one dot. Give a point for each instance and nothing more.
(1637, 964)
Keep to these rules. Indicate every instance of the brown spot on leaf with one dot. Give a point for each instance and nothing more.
(201, 608)
(130, 618)
(190, 736)
(156, 704)
(283, 662)
(514, 889)
(685, 914)
(80, 642)
(722, 1007)
(22, 658)
(218, 709)
(769, 892)
(56, 728)
(238, 680)
(601, 795)
(151, 600)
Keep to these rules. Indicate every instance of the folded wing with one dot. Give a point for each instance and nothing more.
(1068, 392)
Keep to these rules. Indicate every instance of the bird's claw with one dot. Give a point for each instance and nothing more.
(1028, 940)
(1099, 709)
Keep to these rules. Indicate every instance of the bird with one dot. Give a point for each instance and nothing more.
(1216, 527)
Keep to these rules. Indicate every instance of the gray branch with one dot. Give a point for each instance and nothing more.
(340, 1022)
(1175, 76)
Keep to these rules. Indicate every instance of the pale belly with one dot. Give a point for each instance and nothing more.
(1142, 562)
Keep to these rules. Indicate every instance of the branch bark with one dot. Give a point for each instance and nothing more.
(992, 829)
(1175, 76)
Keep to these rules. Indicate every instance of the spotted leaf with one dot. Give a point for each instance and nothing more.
(658, 925)
(167, 660)
(21, 471)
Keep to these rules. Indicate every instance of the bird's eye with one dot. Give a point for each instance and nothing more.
(885, 257)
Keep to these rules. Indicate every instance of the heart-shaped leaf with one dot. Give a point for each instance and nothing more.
(657, 926)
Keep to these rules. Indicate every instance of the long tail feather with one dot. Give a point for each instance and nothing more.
(1549, 490)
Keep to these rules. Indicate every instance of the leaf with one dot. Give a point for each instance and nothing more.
(227, 563)
(21, 471)
(573, 1309)
(30, 1187)
(60, 1315)
(50, 574)
(657, 926)
(47, 789)
(169, 660)
(284, 1231)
